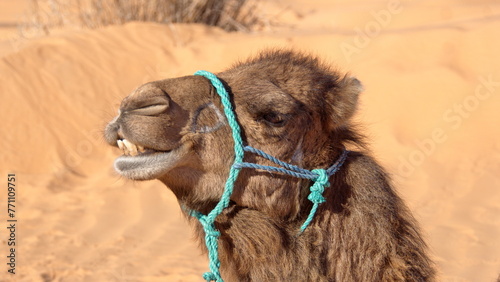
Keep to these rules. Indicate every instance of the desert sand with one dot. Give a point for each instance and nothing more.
(431, 109)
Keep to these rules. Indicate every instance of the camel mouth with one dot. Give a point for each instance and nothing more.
(142, 163)
(130, 149)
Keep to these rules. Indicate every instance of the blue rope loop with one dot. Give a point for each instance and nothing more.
(318, 176)
(308, 175)
(277, 161)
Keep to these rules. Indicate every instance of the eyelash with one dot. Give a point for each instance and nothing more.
(274, 119)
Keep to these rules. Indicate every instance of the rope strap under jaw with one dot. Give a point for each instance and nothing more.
(207, 221)
(318, 176)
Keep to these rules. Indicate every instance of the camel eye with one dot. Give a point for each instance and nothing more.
(151, 110)
(274, 119)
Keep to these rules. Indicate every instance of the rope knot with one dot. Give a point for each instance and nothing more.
(317, 189)
(209, 276)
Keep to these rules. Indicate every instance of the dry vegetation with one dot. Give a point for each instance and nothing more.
(46, 15)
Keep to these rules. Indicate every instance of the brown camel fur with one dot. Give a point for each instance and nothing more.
(299, 110)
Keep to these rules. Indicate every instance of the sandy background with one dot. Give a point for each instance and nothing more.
(431, 108)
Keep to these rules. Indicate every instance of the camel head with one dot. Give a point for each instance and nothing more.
(287, 104)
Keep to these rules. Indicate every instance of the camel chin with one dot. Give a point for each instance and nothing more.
(149, 164)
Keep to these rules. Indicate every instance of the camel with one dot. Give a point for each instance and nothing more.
(299, 110)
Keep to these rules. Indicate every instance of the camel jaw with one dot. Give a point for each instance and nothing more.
(149, 164)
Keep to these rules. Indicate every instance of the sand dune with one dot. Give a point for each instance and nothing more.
(430, 107)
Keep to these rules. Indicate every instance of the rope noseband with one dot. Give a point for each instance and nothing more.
(318, 176)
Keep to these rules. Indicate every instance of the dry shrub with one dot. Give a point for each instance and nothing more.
(231, 15)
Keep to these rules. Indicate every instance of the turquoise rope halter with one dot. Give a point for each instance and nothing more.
(318, 176)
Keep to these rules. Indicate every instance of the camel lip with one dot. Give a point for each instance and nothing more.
(149, 165)
(145, 152)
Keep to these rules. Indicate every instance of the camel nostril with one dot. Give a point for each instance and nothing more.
(151, 110)
(157, 101)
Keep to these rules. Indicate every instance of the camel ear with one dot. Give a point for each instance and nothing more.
(343, 101)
